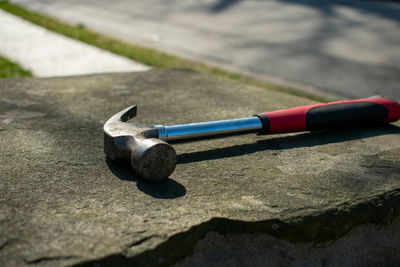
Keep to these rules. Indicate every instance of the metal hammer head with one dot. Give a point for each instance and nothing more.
(150, 157)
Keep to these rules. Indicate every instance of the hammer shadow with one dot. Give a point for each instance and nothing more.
(166, 189)
(308, 139)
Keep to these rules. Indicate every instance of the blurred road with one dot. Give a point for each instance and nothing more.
(342, 47)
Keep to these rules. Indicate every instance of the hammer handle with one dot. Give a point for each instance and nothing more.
(360, 112)
(333, 115)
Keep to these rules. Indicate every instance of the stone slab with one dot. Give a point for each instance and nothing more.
(63, 203)
(48, 54)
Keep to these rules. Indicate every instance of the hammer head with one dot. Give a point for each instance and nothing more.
(150, 157)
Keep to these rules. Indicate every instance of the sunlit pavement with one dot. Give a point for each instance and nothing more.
(47, 54)
(346, 48)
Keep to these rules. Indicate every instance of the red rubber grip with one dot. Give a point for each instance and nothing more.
(295, 119)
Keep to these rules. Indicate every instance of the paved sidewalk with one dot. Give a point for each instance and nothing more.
(47, 54)
(344, 47)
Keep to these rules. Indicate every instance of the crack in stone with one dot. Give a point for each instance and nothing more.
(137, 243)
(46, 259)
(9, 242)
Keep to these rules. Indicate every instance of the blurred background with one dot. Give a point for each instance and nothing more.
(338, 48)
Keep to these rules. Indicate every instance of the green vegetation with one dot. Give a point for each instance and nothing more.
(145, 55)
(9, 69)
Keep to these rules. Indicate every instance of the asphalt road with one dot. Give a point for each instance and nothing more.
(344, 48)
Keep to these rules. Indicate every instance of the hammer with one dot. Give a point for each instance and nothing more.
(154, 159)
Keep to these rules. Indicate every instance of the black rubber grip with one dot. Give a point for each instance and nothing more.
(345, 115)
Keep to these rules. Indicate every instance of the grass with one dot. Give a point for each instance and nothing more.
(142, 54)
(9, 69)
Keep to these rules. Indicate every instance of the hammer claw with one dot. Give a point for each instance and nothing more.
(128, 113)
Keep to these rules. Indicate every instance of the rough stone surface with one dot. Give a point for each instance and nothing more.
(63, 203)
(366, 245)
